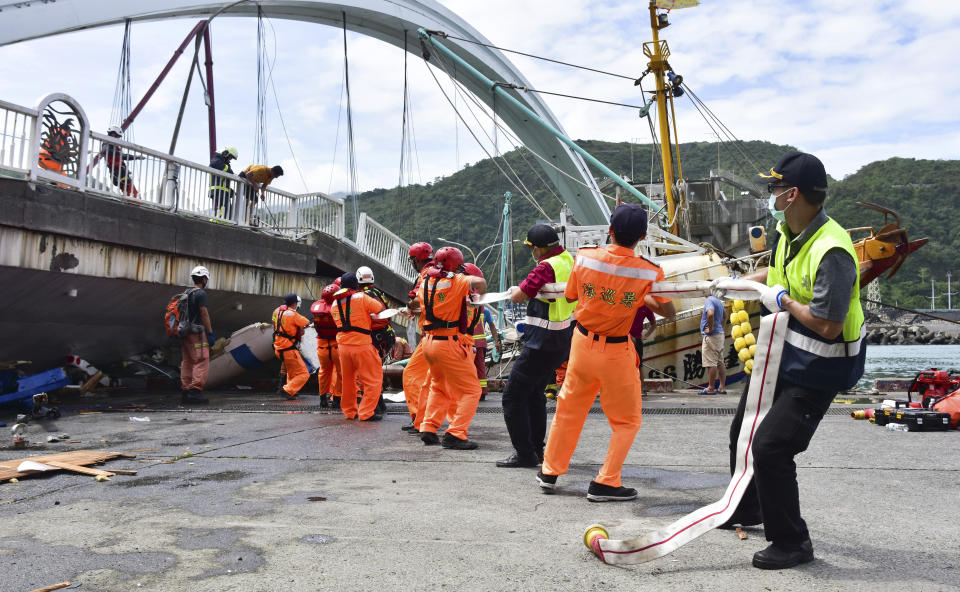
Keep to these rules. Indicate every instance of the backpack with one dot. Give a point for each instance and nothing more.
(176, 319)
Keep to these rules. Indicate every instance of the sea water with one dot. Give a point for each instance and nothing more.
(904, 361)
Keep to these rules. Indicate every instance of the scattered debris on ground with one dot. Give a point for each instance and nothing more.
(76, 461)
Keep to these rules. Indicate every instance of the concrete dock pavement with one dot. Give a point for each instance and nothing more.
(252, 493)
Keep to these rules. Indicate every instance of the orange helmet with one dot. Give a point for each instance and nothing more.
(473, 270)
(449, 258)
(328, 292)
(421, 251)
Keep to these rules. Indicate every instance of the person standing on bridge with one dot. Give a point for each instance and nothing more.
(114, 158)
(259, 176)
(823, 353)
(547, 330)
(353, 312)
(220, 191)
(195, 346)
(608, 284)
(288, 326)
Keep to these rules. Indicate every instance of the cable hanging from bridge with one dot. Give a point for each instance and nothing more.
(351, 148)
(530, 55)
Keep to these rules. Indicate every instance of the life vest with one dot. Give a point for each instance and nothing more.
(280, 333)
(808, 359)
(611, 284)
(323, 320)
(443, 299)
(549, 323)
(218, 183)
(351, 312)
(475, 326)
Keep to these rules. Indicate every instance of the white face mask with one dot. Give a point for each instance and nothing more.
(778, 215)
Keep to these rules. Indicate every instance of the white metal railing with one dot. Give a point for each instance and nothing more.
(111, 167)
(384, 246)
(16, 133)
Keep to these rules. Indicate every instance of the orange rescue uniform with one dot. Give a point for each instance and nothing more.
(288, 326)
(454, 388)
(610, 283)
(416, 374)
(359, 360)
(329, 374)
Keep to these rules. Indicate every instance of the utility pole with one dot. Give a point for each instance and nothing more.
(949, 293)
(933, 295)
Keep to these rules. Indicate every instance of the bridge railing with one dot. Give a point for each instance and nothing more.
(384, 246)
(92, 162)
(16, 134)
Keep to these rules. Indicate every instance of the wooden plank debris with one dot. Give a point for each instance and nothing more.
(74, 460)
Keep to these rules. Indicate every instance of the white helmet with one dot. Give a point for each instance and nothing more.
(231, 151)
(364, 275)
(115, 129)
(200, 271)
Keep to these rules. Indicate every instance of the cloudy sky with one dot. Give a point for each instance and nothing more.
(852, 81)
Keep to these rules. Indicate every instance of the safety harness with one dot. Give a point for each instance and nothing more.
(346, 327)
(433, 323)
(279, 332)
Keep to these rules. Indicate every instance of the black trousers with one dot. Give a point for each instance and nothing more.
(524, 404)
(785, 432)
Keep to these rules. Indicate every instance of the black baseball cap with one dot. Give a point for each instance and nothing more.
(628, 223)
(291, 299)
(796, 169)
(541, 235)
(349, 281)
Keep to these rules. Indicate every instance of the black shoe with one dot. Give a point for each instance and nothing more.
(374, 417)
(752, 518)
(325, 400)
(515, 460)
(451, 441)
(483, 397)
(335, 403)
(429, 438)
(414, 431)
(193, 397)
(775, 557)
(409, 427)
(547, 483)
(598, 492)
(381, 406)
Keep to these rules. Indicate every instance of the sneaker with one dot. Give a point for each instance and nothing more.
(429, 438)
(776, 557)
(547, 483)
(515, 460)
(451, 441)
(598, 492)
(374, 417)
(193, 397)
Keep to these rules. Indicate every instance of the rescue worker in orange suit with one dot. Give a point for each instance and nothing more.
(382, 333)
(609, 284)
(328, 375)
(288, 327)
(546, 345)
(353, 312)
(416, 374)
(454, 388)
(195, 346)
(480, 321)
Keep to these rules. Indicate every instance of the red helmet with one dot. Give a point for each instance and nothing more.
(336, 281)
(328, 293)
(473, 270)
(449, 258)
(421, 251)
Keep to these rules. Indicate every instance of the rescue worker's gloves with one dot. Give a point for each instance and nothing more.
(242, 175)
(714, 285)
(772, 297)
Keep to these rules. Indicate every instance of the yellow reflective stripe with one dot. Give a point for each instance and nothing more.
(483, 382)
(639, 273)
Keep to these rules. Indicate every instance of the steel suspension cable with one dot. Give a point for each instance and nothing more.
(351, 147)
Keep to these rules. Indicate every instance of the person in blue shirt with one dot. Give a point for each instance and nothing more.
(711, 327)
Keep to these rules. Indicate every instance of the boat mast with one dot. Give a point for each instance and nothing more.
(658, 51)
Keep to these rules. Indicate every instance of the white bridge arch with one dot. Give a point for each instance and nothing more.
(392, 21)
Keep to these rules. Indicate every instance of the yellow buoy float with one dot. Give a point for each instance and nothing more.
(742, 333)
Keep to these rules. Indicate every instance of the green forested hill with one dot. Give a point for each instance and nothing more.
(466, 206)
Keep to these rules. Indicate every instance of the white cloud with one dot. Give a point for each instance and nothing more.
(853, 80)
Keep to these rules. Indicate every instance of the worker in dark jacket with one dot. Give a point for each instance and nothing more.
(220, 191)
